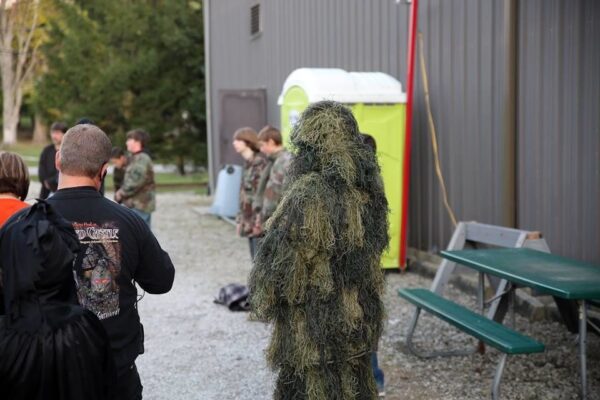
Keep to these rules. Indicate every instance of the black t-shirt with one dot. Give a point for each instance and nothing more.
(47, 172)
(117, 248)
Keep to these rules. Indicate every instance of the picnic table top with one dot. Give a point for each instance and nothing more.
(549, 273)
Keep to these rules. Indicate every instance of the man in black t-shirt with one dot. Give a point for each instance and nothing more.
(47, 172)
(117, 250)
(119, 160)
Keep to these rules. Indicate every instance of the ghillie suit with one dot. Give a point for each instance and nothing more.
(317, 274)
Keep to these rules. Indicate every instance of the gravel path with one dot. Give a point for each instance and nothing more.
(196, 349)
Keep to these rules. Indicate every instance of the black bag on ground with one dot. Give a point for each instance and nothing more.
(234, 296)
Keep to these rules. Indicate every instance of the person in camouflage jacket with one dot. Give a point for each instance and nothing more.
(273, 178)
(245, 143)
(138, 189)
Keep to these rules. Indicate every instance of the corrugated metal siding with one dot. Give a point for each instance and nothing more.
(298, 33)
(559, 124)
(464, 54)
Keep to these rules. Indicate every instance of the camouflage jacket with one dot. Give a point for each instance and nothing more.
(250, 179)
(138, 190)
(271, 185)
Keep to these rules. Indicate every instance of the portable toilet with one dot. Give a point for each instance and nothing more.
(378, 104)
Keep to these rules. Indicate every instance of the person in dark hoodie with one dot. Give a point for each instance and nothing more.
(370, 142)
(118, 250)
(46, 170)
(50, 347)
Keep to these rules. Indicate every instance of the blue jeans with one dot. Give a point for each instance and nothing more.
(147, 217)
(377, 372)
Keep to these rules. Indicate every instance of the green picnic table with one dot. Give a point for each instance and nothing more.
(548, 273)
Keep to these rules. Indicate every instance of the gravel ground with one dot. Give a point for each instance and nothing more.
(196, 349)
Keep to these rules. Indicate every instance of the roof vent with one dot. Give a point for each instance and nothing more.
(255, 20)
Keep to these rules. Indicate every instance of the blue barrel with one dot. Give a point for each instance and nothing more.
(227, 194)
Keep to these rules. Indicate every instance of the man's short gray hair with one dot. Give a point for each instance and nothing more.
(84, 150)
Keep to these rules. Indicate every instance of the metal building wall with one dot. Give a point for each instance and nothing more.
(559, 124)
(356, 35)
(464, 54)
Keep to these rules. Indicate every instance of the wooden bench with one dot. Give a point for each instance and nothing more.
(479, 326)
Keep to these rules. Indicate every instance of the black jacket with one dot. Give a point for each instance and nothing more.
(47, 172)
(50, 347)
(117, 248)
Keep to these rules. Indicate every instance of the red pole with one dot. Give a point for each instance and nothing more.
(412, 36)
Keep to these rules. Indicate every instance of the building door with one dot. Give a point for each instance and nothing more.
(239, 108)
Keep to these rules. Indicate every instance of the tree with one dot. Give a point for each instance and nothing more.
(130, 65)
(18, 56)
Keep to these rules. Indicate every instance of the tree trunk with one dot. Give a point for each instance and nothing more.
(18, 56)
(10, 113)
(9, 128)
(9, 119)
(40, 130)
(181, 165)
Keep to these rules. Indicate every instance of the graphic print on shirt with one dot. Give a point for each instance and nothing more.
(96, 268)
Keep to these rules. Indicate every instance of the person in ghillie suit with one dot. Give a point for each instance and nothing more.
(317, 273)
(245, 143)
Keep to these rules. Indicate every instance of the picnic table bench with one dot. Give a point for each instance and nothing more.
(548, 273)
(477, 325)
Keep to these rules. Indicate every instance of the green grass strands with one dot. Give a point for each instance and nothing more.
(352, 311)
(294, 289)
(316, 386)
(321, 277)
(305, 352)
(354, 202)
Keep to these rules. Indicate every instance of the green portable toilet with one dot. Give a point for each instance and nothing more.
(378, 104)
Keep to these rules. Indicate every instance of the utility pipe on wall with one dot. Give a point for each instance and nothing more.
(412, 37)
(509, 139)
(208, 95)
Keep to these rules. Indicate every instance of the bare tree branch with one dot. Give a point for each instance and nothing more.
(25, 40)
(5, 21)
(34, 6)
(3, 4)
(28, 71)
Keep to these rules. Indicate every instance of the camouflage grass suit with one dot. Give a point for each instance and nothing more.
(317, 275)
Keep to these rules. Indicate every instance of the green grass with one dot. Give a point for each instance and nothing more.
(176, 179)
(171, 181)
(203, 191)
(164, 181)
(29, 151)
